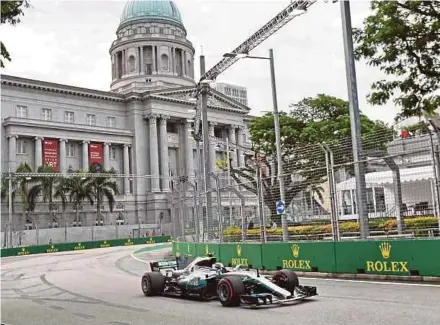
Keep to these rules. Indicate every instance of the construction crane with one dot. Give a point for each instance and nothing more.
(294, 9)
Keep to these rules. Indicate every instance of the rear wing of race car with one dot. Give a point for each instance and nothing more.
(179, 263)
(163, 265)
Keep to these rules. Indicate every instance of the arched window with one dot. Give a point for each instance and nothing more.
(131, 63)
(164, 62)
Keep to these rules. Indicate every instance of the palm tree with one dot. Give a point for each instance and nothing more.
(79, 189)
(104, 188)
(48, 187)
(19, 187)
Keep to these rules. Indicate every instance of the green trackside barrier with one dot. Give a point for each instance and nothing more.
(233, 254)
(185, 249)
(395, 257)
(53, 248)
(206, 249)
(300, 256)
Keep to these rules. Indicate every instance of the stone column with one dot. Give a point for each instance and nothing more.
(212, 147)
(106, 154)
(233, 154)
(117, 65)
(126, 170)
(240, 142)
(189, 161)
(183, 63)
(85, 156)
(13, 152)
(164, 168)
(173, 60)
(154, 151)
(123, 63)
(62, 162)
(141, 62)
(154, 60)
(38, 152)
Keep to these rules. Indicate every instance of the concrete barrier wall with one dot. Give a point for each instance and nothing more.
(80, 234)
(54, 248)
(386, 257)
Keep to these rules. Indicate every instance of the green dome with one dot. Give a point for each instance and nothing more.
(156, 10)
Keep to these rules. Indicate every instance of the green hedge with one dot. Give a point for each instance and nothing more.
(53, 248)
(395, 256)
(380, 224)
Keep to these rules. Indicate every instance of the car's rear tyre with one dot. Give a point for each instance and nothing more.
(286, 279)
(229, 291)
(153, 283)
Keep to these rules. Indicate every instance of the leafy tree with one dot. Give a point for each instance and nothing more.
(402, 39)
(311, 122)
(103, 188)
(11, 12)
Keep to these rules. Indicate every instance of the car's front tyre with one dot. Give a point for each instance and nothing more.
(153, 283)
(229, 291)
(286, 279)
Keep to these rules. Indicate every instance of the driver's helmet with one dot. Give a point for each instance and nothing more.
(218, 266)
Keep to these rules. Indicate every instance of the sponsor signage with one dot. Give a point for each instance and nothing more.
(239, 260)
(95, 154)
(296, 263)
(386, 264)
(50, 153)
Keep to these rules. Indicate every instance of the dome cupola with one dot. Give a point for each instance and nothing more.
(151, 50)
(151, 10)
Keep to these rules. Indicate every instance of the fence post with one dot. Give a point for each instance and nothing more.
(329, 161)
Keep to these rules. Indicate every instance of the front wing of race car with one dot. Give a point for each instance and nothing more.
(262, 299)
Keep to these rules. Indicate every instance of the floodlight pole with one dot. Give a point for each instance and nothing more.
(206, 150)
(355, 122)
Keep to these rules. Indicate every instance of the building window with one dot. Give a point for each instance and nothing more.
(21, 147)
(111, 121)
(69, 117)
(228, 91)
(21, 111)
(71, 149)
(149, 69)
(47, 114)
(91, 119)
(112, 153)
(164, 61)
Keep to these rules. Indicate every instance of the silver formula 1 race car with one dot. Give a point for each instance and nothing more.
(207, 279)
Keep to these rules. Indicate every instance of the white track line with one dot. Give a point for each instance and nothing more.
(375, 282)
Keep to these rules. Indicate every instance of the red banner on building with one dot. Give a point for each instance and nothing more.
(95, 154)
(50, 153)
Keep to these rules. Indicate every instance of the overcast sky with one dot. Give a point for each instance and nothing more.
(68, 42)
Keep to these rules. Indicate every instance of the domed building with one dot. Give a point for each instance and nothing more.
(141, 127)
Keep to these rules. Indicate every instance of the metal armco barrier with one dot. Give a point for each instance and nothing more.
(53, 248)
(385, 257)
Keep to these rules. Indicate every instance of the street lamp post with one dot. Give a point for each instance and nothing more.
(355, 121)
(277, 130)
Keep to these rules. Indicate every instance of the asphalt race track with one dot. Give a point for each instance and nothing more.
(102, 286)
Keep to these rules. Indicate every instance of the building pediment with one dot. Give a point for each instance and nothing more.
(216, 100)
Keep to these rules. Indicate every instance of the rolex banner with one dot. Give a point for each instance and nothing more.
(50, 153)
(95, 154)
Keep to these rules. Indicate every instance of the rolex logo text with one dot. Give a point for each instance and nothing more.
(386, 265)
(239, 260)
(296, 263)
